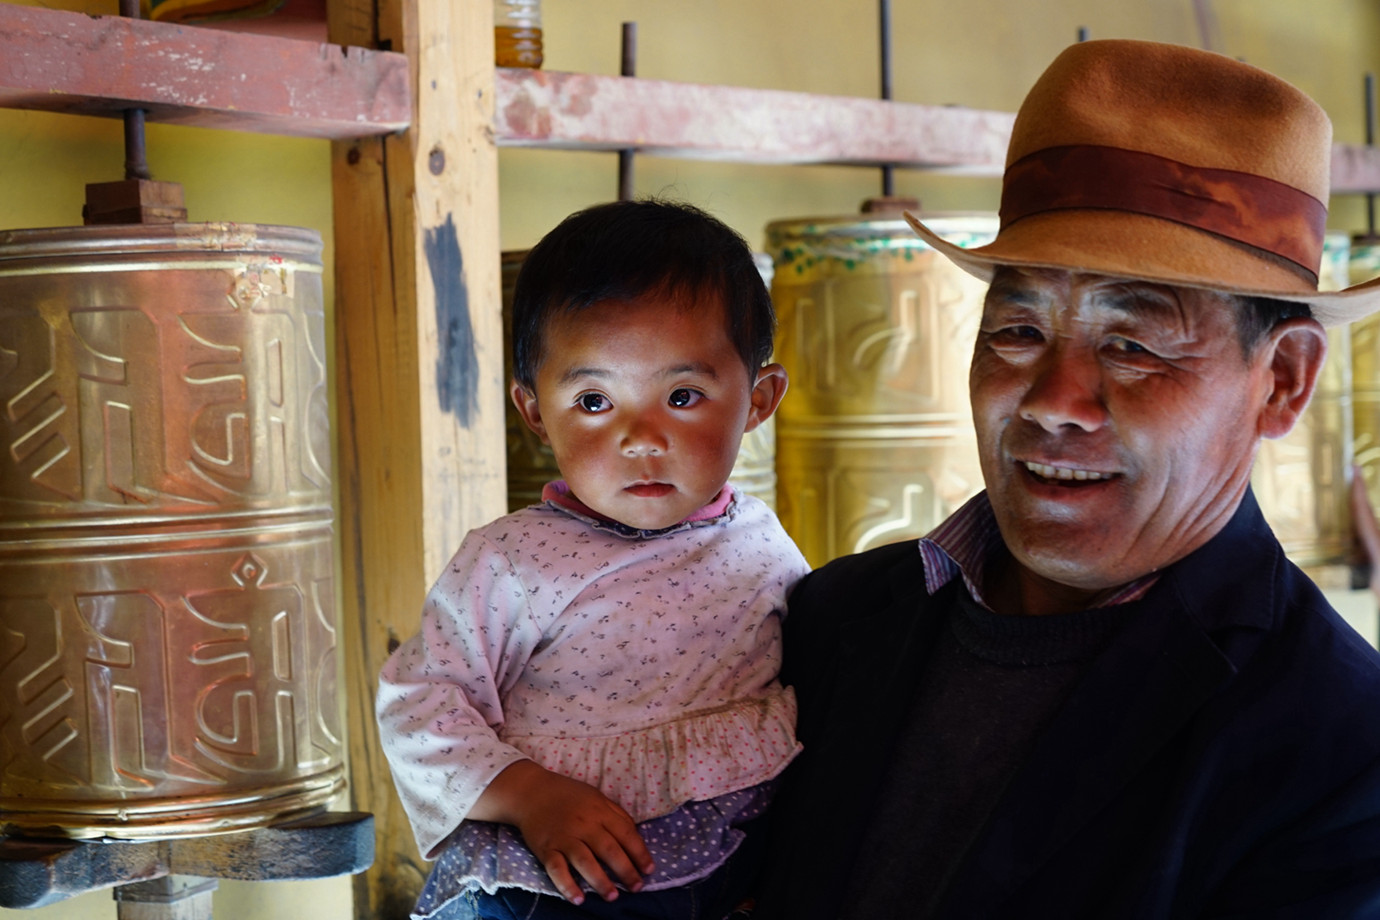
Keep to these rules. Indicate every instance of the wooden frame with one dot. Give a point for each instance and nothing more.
(420, 395)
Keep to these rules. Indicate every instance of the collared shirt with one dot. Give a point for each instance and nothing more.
(965, 542)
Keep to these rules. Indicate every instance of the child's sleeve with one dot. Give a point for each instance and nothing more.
(440, 694)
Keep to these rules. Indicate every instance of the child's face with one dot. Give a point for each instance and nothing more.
(644, 405)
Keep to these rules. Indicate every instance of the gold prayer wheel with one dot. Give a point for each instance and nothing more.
(167, 612)
(1365, 371)
(531, 463)
(1302, 480)
(875, 439)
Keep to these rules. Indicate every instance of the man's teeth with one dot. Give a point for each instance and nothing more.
(1060, 472)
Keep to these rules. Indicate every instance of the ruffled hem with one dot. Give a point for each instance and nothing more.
(651, 772)
(688, 845)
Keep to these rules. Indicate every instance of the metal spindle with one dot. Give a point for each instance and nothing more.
(884, 9)
(628, 68)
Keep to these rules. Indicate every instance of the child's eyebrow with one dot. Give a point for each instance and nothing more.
(696, 367)
(573, 374)
(577, 373)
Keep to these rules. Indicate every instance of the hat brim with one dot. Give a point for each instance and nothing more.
(1142, 248)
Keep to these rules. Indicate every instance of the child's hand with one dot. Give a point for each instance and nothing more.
(569, 825)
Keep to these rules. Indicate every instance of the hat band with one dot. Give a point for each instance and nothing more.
(1249, 209)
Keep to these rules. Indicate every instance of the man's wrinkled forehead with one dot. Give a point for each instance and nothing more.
(1047, 288)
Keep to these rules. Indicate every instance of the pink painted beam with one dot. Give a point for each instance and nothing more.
(100, 65)
(588, 112)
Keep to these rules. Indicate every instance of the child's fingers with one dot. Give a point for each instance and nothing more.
(631, 843)
(614, 854)
(586, 863)
(559, 869)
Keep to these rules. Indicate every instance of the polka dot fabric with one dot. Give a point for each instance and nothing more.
(687, 845)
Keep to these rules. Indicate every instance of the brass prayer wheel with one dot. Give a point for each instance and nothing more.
(1302, 480)
(1365, 371)
(167, 612)
(875, 438)
(531, 463)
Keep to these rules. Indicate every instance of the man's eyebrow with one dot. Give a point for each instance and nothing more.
(1139, 300)
(1016, 291)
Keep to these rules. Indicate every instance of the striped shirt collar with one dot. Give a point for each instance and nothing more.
(968, 538)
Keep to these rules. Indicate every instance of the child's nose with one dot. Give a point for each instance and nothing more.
(642, 438)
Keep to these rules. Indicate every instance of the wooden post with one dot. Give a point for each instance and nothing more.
(419, 364)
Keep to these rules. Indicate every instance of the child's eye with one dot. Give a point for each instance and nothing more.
(683, 397)
(593, 402)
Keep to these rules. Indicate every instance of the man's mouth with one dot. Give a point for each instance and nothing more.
(1065, 473)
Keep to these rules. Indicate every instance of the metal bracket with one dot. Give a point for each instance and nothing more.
(35, 873)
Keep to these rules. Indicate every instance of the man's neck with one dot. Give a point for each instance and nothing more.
(1011, 588)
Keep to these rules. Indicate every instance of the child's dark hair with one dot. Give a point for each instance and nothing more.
(622, 251)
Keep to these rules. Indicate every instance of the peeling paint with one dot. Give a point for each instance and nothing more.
(457, 367)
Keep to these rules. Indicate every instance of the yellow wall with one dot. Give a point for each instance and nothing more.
(980, 53)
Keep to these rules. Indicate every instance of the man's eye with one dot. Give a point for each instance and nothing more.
(683, 397)
(1126, 346)
(593, 402)
(1021, 334)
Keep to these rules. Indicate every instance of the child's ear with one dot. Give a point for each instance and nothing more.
(766, 394)
(526, 402)
(1295, 350)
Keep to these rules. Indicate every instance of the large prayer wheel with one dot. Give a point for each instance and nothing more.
(875, 438)
(167, 614)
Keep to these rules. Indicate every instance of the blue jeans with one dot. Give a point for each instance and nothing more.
(711, 898)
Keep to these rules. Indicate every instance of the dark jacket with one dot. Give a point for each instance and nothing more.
(1221, 758)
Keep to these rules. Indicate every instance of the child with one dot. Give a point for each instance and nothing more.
(593, 692)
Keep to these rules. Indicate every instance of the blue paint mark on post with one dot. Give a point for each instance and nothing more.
(457, 368)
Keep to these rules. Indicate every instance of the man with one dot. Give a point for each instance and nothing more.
(1099, 689)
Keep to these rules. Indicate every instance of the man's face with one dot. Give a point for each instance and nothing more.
(1117, 421)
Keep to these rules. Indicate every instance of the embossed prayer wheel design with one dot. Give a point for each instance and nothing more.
(1302, 480)
(531, 463)
(875, 439)
(167, 613)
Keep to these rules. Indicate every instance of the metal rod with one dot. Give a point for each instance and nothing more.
(1370, 142)
(884, 31)
(136, 153)
(628, 68)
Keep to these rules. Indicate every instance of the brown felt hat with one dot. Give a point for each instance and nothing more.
(1169, 164)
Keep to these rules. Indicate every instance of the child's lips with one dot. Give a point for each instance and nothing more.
(650, 489)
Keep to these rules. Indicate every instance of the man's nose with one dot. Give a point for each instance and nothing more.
(643, 437)
(1065, 390)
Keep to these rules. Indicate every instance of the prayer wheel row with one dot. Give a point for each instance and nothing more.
(874, 440)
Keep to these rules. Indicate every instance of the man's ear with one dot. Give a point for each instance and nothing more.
(766, 395)
(526, 402)
(1295, 350)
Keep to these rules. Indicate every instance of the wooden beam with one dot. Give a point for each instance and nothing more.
(571, 111)
(59, 61)
(419, 365)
